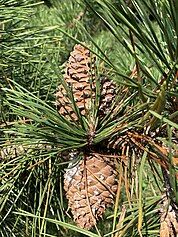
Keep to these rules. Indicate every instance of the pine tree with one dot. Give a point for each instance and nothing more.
(117, 111)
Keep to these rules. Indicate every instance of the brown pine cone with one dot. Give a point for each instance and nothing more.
(90, 188)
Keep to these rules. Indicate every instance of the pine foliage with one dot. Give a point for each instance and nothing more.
(134, 52)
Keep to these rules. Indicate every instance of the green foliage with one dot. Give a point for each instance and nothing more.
(138, 46)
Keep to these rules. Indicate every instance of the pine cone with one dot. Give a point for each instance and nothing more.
(81, 79)
(90, 187)
(12, 151)
(79, 76)
(108, 95)
(169, 220)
